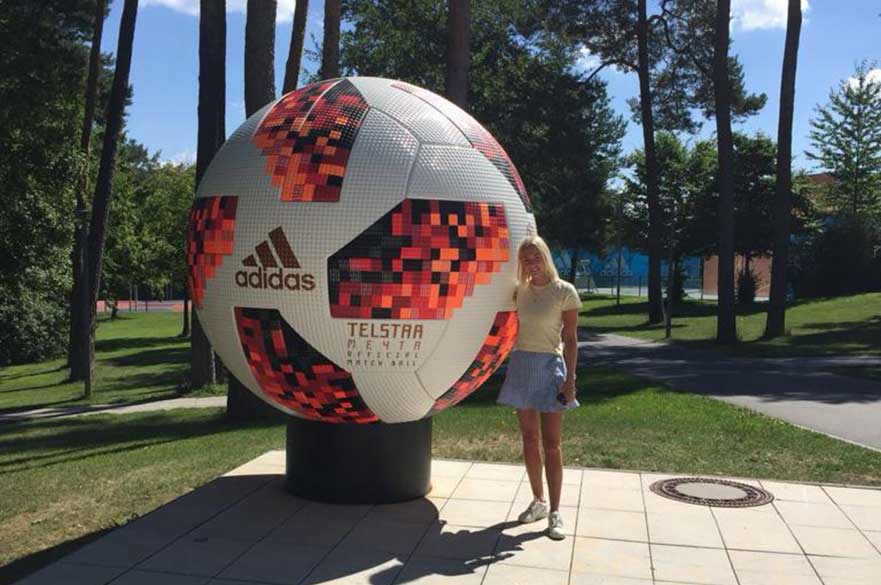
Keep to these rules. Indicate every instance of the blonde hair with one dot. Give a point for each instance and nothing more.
(534, 241)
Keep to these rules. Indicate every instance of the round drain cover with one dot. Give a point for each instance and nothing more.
(711, 492)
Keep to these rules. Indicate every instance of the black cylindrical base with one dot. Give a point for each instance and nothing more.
(359, 464)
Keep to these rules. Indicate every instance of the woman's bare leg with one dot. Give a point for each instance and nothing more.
(551, 424)
(531, 450)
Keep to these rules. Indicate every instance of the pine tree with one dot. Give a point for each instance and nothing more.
(846, 137)
(78, 344)
(775, 324)
(330, 46)
(259, 54)
(104, 182)
(295, 52)
(458, 51)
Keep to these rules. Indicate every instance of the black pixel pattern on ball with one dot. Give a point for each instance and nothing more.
(294, 374)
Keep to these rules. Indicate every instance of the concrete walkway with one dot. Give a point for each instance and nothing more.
(793, 389)
(80, 410)
(244, 529)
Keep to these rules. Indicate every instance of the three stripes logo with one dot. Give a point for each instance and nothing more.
(274, 270)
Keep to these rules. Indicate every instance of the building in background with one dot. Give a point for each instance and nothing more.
(600, 273)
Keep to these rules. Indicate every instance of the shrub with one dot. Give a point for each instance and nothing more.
(34, 320)
(845, 258)
(747, 285)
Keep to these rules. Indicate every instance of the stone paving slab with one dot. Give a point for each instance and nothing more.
(245, 529)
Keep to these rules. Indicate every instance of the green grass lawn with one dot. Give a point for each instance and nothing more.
(139, 358)
(64, 481)
(841, 326)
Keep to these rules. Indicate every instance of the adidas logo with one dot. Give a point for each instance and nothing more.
(274, 269)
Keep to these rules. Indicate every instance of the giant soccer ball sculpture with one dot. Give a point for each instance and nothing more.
(352, 252)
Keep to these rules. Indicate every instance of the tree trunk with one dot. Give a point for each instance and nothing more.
(618, 278)
(775, 325)
(573, 265)
(458, 51)
(212, 133)
(651, 169)
(295, 54)
(83, 356)
(726, 325)
(202, 370)
(219, 370)
(672, 270)
(212, 83)
(330, 51)
(78, 340)
(259, 54)
(104, 183)
(185, 332)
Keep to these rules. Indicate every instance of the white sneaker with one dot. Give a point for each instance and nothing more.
(555, 526)
(536, 511)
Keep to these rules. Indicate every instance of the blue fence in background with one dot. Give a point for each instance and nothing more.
(600, 273)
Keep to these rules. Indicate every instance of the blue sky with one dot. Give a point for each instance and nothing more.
(835, 37)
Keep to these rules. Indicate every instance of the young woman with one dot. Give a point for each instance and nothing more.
(540, 381)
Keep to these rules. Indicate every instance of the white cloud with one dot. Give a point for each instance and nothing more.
(761, 14)
(186, 6)
(586, 61)
(872, 76)
(285, 11)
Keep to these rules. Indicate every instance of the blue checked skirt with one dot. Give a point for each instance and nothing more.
(533, 381)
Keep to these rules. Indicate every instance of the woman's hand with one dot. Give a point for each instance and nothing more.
(568, 390)
(570, 352)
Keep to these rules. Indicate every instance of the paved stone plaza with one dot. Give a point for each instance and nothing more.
(243, 528)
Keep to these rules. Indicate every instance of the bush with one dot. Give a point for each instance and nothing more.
(679, 276)
(747, 285)
(34, 319)
(844, 259)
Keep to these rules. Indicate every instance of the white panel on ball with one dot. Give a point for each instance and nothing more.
(393, 396)
(460, 174)
(376, 180)
(237, 168)
(463, 174)
(424, 121)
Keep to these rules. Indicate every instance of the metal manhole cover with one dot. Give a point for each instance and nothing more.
(712, 492)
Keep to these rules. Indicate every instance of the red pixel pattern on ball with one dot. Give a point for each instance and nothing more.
(308, 141)
(496, 347)
(419, 261)
(477, 135)
(279, 129)
(209, 238)
(294, 374)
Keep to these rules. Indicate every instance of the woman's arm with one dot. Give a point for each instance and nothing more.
(570, 351)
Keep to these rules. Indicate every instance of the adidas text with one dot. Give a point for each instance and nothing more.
(276, 279)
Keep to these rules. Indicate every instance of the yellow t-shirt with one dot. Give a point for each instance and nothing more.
(540, 311)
